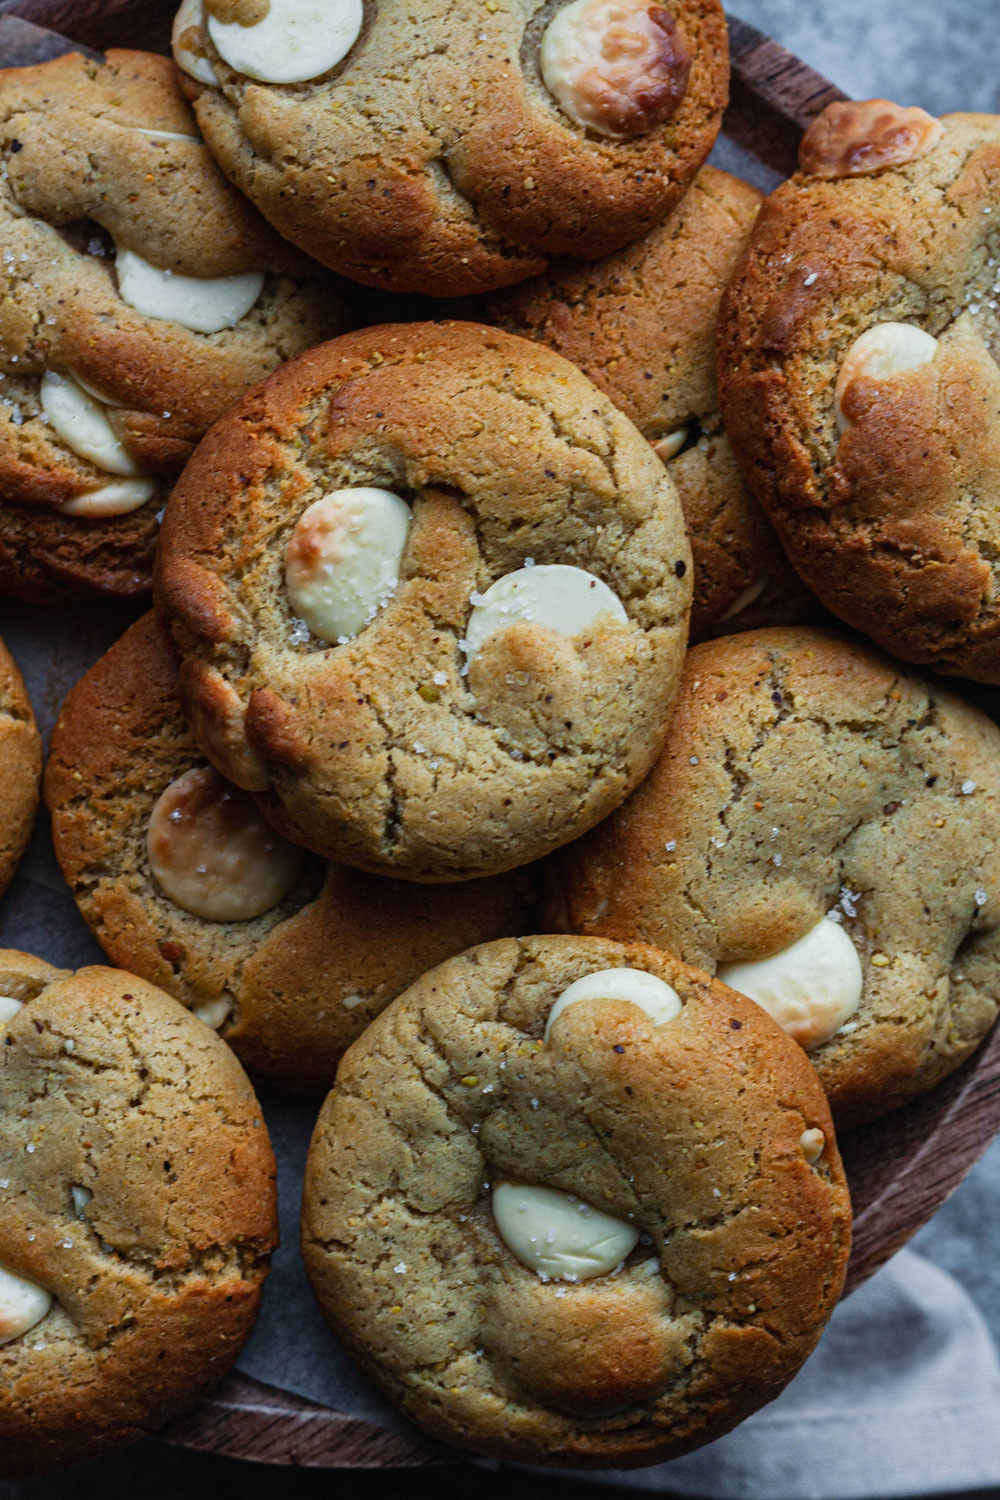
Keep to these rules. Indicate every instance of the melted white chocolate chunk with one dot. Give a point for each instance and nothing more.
(213, 854)
(8, 1008)
(296, 40)
(82, 423)
(668, 446)
(214, 1013)
(811, 1143)
(556, 596)
(110, 499)
(22, 1305)
(191, 14)
(343, 559)
(169, 135)
(203, 304)
(616, 67)
(559, 1236)
(882, 352)
(660, 1003)
(810, 988)
(743, 600)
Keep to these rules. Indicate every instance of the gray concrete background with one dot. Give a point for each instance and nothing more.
(944, 55)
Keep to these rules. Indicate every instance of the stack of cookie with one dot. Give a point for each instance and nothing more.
(417, 687)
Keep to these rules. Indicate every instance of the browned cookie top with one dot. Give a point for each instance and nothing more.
(641, 324)
(451, 147)
(595, 1238)
(808, 781)
(112, 361)
(20, 767)
(288, 986)
(436, 733)
(858, 376)
(138, 1210)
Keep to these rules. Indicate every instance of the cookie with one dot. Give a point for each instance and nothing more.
(181, 881)
(573, 1202)
(459, 162)
(140, 297)
(859, 383)
(20, 767)
(821, 831)
(431, 591)
(137, 1184)
(641, 325)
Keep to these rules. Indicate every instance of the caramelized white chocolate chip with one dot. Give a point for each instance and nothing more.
(203, 304)
(214, 1013)
(82, 422)
(191, 16)
(812, 1143)
(556, 596)
(652, 995)
(617, 67)
(22, 1305)
(213, 854)
(856, 137)
(342, 562)
(880, 353)
(296, 40)
(669, 446)
(559, 1236)
(8, 1008)
(810, 989)
(743, 600)
(110, 499)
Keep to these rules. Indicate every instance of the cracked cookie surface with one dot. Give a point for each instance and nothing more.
(806, 774)
(890, 513)
(690, 1132)
(398, 751)
(443, 164)
(137, 1184)
(641, 325)
(288, 989)
(102, 160)
(20, 767)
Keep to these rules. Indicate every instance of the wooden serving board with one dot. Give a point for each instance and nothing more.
(900, 1170)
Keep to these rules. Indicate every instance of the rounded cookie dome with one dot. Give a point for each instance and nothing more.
(20, 767)
(599, 1247)
(515, 681)
(137, 1184)
(809, 784)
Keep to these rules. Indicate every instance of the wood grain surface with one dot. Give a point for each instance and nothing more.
(901, 1169)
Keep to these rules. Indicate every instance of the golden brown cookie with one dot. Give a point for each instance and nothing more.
(20, 767)
(288, 987)
(431, 591)
(641, 325)
(138, 1211)
(812, 796)
(140, 296)
(451, 148)
(595, 1233)
(858, 376)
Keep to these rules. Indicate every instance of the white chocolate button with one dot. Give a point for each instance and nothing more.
(669, 446)
(556, 596)
(191, 13)
(169, 135)
(612, 66)
(879, 354)
(810, 989)
(111, 499)
(812, 1143)
(203, 304)
(81, 421)
(22, 1305)
(742, 601)
(660, 1003)
(212, 853)
(343, 559)
(214, 1013)
(8, 1008)
(559, 1236)
(296, 40)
